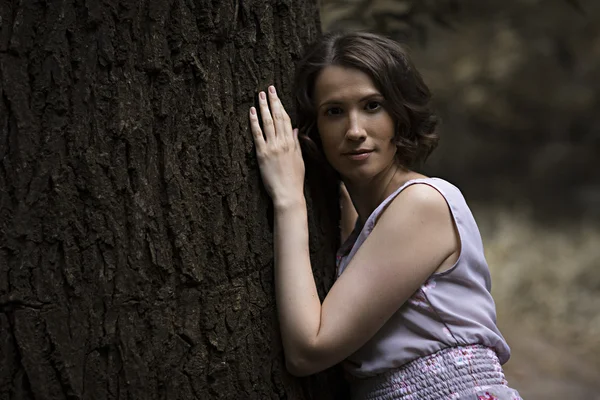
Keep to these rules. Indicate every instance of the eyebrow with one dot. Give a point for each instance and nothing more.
(336, 101)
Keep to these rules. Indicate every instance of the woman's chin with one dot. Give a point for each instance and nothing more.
(356, 175)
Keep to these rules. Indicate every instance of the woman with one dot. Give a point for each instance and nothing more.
(410, 313)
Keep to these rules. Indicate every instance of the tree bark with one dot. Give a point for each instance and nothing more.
(135, 235)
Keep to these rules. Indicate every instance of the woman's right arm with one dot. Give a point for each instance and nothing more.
(348, 213)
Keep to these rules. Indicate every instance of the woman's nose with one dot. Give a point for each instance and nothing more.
(355, 129)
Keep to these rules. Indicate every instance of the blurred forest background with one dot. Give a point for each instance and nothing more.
(517, 85)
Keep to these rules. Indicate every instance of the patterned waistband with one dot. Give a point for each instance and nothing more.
(451, 373)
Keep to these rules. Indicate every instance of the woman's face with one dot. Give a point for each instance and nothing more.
(356, 130)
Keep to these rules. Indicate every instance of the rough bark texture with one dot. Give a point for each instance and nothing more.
(135, 237)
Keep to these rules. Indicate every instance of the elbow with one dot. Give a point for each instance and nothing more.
(299, 367)
(305, 363)
(306, 360)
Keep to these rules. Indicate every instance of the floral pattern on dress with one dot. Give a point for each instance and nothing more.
(403, 387)
(448, 374)
(431, 366)
(499, 393)
(447, 333)
(462, 356)
(419, 299)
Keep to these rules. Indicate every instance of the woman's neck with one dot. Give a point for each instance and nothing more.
(367, 196)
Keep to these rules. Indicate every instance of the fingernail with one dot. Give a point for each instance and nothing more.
(272, 89)
(252, 110)
(263, 95)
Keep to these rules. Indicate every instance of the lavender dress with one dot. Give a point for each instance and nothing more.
(443, 343)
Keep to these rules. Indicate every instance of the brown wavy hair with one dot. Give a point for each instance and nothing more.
(407, 98)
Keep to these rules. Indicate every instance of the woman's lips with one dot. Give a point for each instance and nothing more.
(359, 156)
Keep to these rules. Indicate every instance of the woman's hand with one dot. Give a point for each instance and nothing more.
(278, 151)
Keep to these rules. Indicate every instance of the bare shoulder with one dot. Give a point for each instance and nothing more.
(420, 201)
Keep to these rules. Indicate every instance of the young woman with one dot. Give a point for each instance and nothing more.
(410, 314)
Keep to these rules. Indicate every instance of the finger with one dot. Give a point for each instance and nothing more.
(283, 128)
(288, 123)
(267, 119)
(257, 134)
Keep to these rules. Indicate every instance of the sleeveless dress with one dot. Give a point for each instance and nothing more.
(443, 343)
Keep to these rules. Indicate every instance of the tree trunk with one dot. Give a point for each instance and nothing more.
(135, 235)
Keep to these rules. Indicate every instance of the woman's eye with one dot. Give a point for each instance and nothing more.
(333, 111)
(373, 105)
